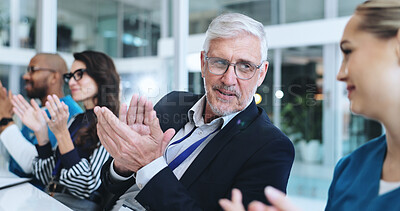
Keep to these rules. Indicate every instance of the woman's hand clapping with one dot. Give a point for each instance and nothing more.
(278, 200)
(59, 113)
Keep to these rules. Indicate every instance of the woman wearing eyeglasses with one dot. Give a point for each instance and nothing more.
(72, 172)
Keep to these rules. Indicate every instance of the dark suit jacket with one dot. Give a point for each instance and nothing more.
(249, 153)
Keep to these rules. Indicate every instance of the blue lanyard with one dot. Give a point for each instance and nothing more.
(185, 154)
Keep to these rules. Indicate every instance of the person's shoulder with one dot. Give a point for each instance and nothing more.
(264, 125)
(372, 145)
(180, 97)
(172, 109)
(262, 132)
(363, 152)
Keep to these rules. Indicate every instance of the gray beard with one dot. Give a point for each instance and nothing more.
(221, 112)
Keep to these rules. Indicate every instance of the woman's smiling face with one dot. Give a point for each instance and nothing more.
(84, 89)
(370, 69)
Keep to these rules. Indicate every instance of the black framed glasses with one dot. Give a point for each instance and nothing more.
(77, 75)
(243, 70)
(32, 69)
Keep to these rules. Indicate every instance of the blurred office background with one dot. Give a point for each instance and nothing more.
(156, 46)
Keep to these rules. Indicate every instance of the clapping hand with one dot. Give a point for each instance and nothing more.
(32, 116)
(235, 204)
(135, 139)
(59, 113)
(135, 117)
(6, 106)
(58, 123)
(278, 200)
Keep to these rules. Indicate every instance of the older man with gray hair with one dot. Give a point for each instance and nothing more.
(223, 139)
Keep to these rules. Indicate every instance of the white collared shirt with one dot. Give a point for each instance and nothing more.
(196, 119)
(147, 172)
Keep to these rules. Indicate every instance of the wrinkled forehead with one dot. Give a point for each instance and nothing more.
(244, 47)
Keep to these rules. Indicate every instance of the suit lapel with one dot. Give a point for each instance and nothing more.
(240, 122)
(172, 110)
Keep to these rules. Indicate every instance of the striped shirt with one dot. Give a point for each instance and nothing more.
(77, 170)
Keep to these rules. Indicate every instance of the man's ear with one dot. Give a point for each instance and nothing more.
(263, 73)
(202, 56)
(55, 78)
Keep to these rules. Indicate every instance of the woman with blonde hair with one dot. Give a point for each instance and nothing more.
(368, 178)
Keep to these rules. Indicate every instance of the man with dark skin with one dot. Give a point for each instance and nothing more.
(44, 77)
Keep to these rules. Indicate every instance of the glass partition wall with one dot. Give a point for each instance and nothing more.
(119, 28)
(302, 101)
(310, 113)
(4, 23)
(302, 111)
(17, 23)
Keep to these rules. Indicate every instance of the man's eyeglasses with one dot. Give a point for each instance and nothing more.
(243, 70)
(77, 75)
(32, 69)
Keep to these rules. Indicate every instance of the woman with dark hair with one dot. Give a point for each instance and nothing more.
(72, 172)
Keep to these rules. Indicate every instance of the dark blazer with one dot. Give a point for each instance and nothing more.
(249, 153)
